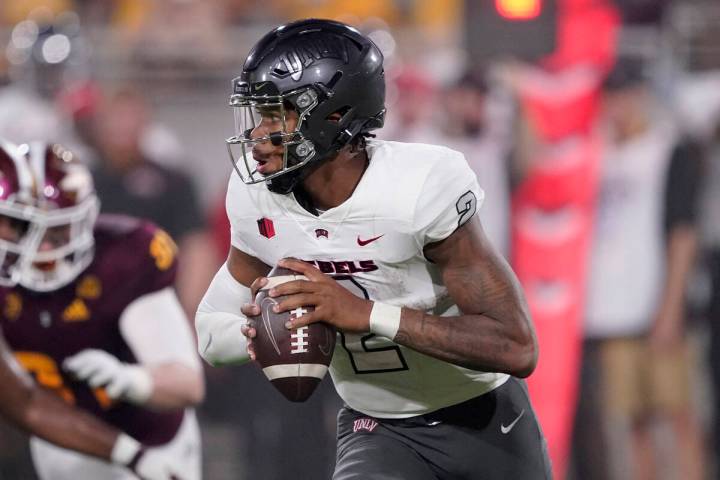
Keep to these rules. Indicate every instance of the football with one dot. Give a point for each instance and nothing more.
(295, 361)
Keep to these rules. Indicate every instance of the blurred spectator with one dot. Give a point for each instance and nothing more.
(468, 124)
(711, 245)
(47, 55)
(25, 117)
(644, 246)
(35, 71)
(128, 181)
(411, 104)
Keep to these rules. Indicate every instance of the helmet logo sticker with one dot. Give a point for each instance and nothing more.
(293, 62)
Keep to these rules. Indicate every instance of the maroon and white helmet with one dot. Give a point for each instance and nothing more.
(47, 198)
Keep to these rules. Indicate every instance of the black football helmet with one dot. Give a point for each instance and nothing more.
(318, 68)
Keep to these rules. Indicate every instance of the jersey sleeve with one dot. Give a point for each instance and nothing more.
(683, 185)
(449, 198)
(156, 256)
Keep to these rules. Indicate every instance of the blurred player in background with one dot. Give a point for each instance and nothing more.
(434, 327)
(130, 181)
(710, 240)
(466, 127)
(45, 415)
(644, 245)
(46, 55)
(89, 310)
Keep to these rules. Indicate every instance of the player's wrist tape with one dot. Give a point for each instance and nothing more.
(126, 450)
(385, 320)
(141, 385)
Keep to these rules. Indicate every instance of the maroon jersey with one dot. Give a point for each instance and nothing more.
(132, 258)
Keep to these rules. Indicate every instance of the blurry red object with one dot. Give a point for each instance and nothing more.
(561, 104)
(554, 384)
(587, 31)
(564, 173)
(80, 100)
(412, 79)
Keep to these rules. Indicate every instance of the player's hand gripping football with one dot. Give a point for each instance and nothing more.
(333, 303)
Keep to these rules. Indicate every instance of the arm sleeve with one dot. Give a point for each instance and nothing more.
(158, 331)
(450, 197)
(683, 186)
(218, 320)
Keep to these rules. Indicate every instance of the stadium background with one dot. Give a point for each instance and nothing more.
(525, 76)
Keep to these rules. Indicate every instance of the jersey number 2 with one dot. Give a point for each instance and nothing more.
(466, 206)
(368, 352)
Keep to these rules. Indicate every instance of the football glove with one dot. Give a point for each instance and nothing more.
(122, 381)
(146, 463)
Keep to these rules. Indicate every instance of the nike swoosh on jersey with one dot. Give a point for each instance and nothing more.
(362, 243)
(505, 430)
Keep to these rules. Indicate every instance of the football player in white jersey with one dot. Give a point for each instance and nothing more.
(434, 330)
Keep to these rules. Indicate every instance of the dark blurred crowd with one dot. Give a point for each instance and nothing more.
(650, 376)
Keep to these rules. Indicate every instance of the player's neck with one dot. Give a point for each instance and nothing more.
(335, 180)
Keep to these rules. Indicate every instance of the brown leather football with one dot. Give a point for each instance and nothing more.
(295, 361)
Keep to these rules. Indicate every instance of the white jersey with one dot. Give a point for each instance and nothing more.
(409, 196)
(627, 263)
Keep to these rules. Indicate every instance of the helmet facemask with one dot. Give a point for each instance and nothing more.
(53, 247)
(271, 113)
(17, 236)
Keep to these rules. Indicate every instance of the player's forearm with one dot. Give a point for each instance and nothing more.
(218, 320)
(495, 332)
(220, 338)
(175, 386)
(48, 417)
(43, 414)
(477, 342)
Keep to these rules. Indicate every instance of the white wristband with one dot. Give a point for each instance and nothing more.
(385, 320)
(124, 450)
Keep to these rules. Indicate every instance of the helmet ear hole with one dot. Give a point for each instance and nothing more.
(334, 79)
(338, 116)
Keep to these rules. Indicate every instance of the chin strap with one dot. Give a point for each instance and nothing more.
(290, 182)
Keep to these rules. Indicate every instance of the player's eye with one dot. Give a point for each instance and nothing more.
(12, 229)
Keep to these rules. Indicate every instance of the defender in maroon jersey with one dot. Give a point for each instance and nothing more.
(88, 308)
